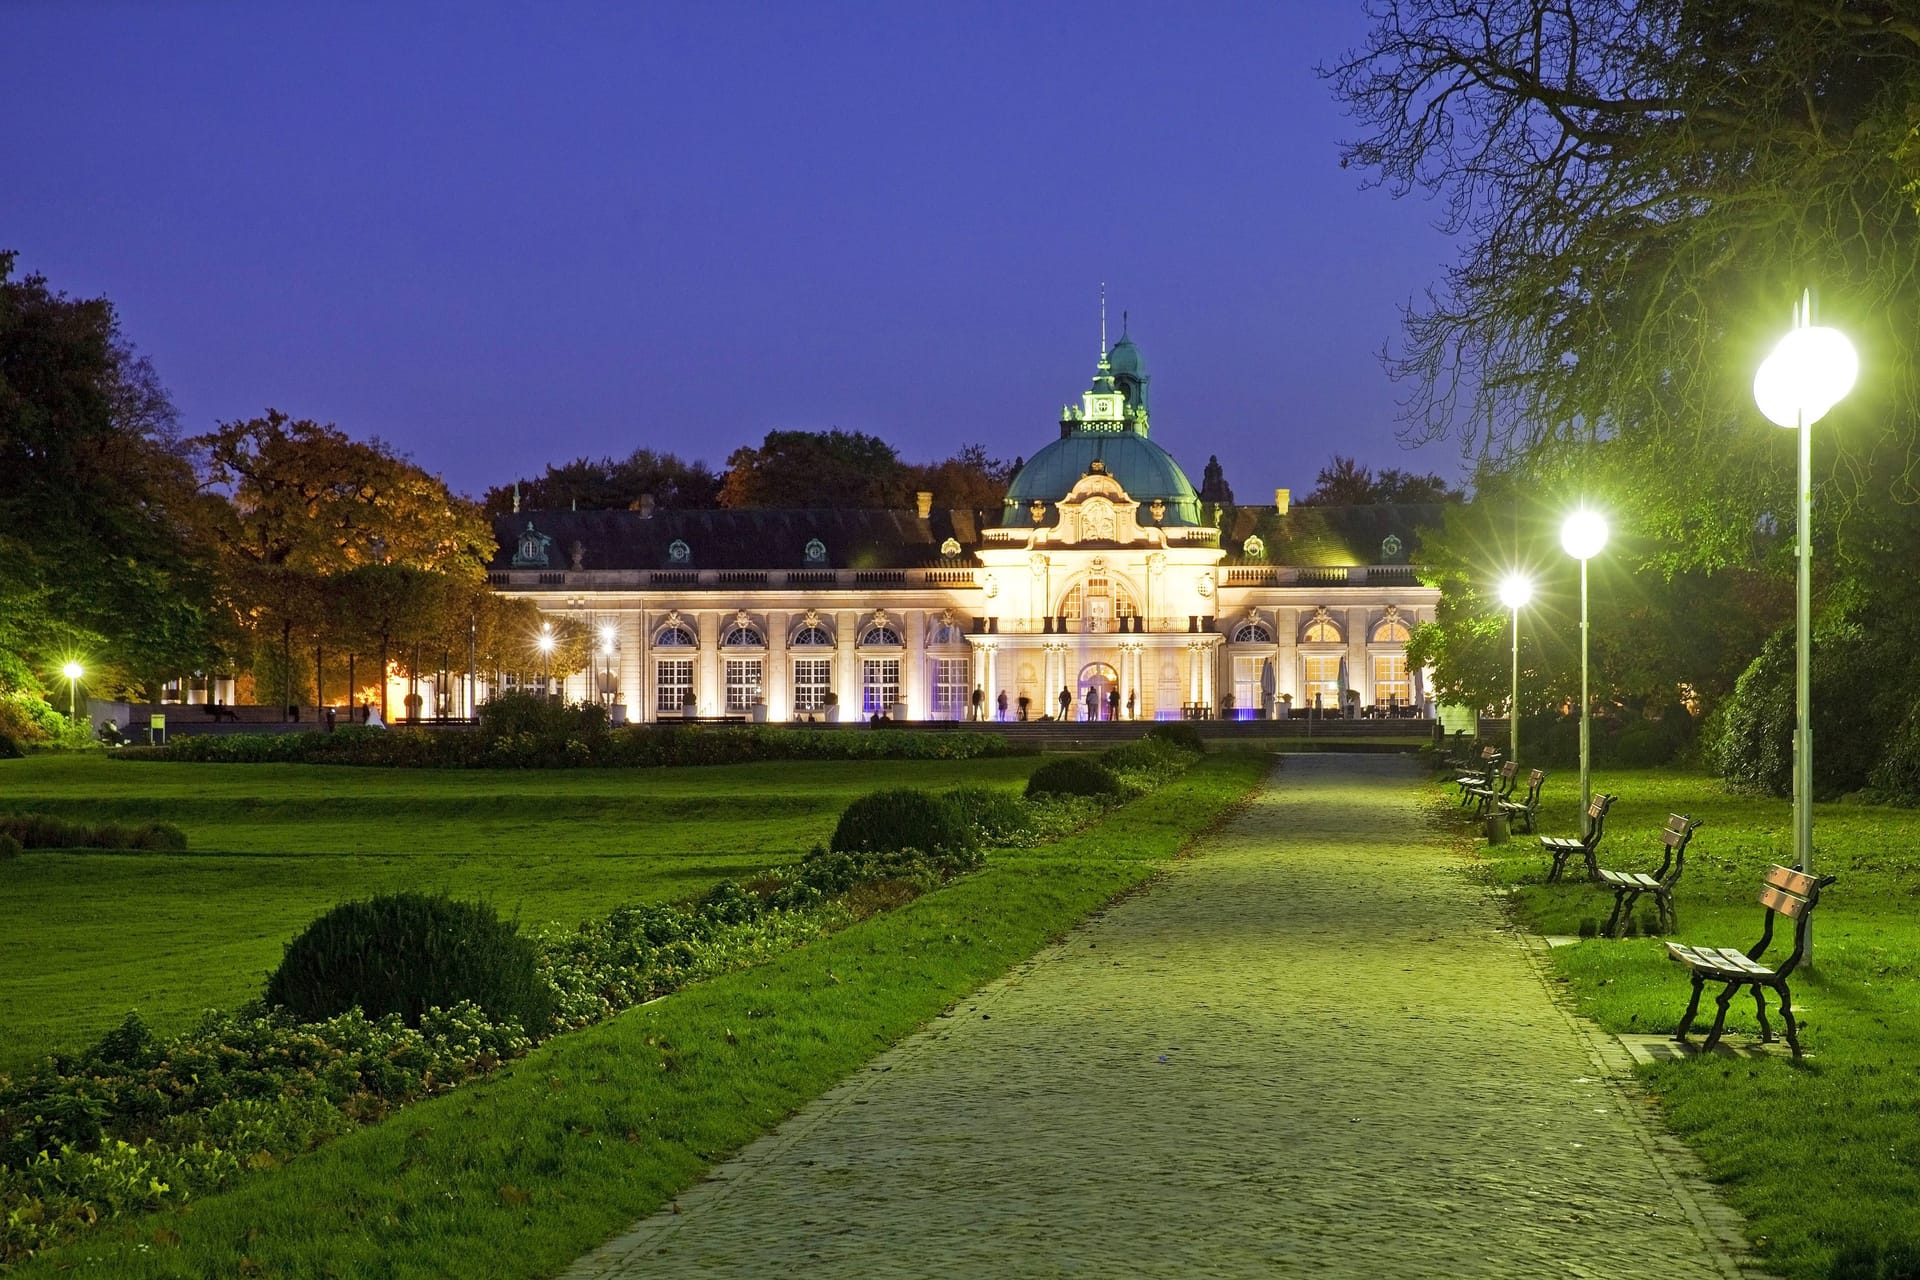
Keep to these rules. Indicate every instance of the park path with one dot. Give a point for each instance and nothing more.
(1311, 1049)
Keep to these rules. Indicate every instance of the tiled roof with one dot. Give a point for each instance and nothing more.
(854, 539)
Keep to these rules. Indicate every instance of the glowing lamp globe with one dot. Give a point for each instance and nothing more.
(1584, 534)
(606, 636)
(546, 644)
(1809, 371)
(1515, 591)
(71, 671)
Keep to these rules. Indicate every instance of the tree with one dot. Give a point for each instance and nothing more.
(99, 552)
(815, 469)
(1640, 190)
(969, 481)
(1341, 483)
(305, 503)
(609, 484)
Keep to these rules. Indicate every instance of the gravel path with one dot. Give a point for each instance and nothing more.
(1311, 1049)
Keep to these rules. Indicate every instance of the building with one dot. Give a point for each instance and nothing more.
(1101, 576)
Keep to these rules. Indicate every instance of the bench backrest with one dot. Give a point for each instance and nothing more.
(1793, 894)
(1489, 754)
(1535, 780)
(1676, 835)
(1597, 816)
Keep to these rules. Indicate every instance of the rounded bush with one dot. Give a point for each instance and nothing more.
(405, 953)
(9, 847)
(9, 749)
(1180, 734)
(1072, 776)
(993, 813)
(1644, 745)
(902, 818)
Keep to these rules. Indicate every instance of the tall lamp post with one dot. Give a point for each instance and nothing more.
(545, 645)
(1809, 371)
(606, 654)
(1582, 536)
(72, 671)
(1515, 590)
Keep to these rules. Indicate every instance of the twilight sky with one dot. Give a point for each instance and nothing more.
(503, 235)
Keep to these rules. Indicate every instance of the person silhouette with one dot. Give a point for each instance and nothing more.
(1003, 704)
(1066, 704)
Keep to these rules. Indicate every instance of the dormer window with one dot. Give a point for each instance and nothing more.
(679, 552)
(815, 552)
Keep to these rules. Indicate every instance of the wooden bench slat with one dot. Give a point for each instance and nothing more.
(1785, 903)
(1798, 883)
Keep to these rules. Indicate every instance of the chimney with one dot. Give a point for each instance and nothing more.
(1281, 497)
(923, 503)
(646, 506)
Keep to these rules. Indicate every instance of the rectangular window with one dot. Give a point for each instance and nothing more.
(1390, 683)
(673, 683)
(1246, 688)
(879, 685)
(1322, 672)
(950, 688)
(812, 677)
(743, 683)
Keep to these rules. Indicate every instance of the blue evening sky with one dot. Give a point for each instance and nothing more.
(502, 235)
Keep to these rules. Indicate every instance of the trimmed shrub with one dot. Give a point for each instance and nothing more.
(39, 831)
(27, 718)
(992, 813)
(901, 818)
(9, 749)
(1179, 734)
(9, 847)
(406, 953)
(1072, 776)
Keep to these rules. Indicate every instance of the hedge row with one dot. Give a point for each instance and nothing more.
(636, 746)
(38, 831)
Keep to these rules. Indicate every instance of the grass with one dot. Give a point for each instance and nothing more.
(519, 1175)
(1823, 1157)
(90, 935)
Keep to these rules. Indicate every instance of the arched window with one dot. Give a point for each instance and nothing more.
(1101, 595)
(1391, 630)
(945, 633)
(808, 637)
(879, 637)
(675, 637)
(1321, 629)
(741, 636)
(1253, 633)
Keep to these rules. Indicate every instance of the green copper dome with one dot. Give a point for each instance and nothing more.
(1143, 469)
(1125, 357)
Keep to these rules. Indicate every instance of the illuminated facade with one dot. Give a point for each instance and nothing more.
(1100, 576)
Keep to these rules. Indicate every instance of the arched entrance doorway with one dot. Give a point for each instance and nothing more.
(1097, 680)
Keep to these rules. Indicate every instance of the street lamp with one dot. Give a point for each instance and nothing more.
(606, 652)
(1582, 536)
(545, 645)
(1808, 372)
(72, 672)
(1515, 590)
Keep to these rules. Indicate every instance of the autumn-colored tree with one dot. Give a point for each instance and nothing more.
(306, 503)
(970, 480)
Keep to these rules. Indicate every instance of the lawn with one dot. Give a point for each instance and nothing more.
(88, 936)
(517, 1175)
(1823, 1156)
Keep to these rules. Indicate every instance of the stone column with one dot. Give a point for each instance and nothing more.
(709, 698)
(778, 680)
(640, 702)
(1359, 665)
(913, 665)
(628, 635)
(846, 679)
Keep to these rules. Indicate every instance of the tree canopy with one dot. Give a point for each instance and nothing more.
(1343, 482)
(610, 484)
(1640, 191)
(100, 558)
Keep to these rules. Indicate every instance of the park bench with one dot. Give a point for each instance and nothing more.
(1525, 808)
(1481, 775)
(1562, 848)
(1783, 892)
(1487, 795)
(1629, 886)
(1453, 754)
(217, 712)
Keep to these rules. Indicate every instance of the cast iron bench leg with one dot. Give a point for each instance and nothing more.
(1760, 1008)
(1620, 902)
(1786, 1016)
(1724, 999)
(1693, 1007)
